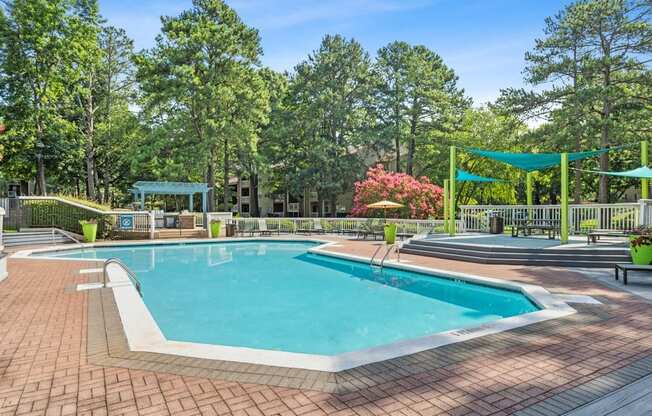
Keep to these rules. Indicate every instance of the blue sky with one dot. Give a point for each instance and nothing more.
(484, 41)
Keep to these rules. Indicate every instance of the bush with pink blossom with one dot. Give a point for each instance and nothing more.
(421, 199)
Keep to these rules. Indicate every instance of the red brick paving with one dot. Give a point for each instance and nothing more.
(44, 368)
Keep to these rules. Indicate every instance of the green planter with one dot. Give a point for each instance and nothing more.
(641, 254)
(89, 230)
(216, 226)
(390, 233)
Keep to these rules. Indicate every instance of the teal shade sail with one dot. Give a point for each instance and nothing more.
(464, 176)
(534, 161)
(643, 172)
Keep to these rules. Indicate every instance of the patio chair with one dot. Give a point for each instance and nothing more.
(263, 230)
(317, 228)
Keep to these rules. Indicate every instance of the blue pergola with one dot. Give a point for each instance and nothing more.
(143, 188)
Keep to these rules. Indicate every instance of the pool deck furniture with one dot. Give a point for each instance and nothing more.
(625, 267)
(527, 226)
(594, 235)
(314, 228)
(264, 231)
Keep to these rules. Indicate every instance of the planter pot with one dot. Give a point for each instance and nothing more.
(641, 254)
(390, 233)
(90, 232)
(215, 229)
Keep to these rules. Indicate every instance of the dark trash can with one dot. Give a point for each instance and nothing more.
(230, 230)
(496, 225)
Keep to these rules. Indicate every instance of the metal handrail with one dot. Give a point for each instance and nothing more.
(130, 274)
(371, 262)
(66, 234)
(389, 250)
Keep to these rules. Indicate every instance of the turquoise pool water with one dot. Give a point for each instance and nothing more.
(276, 296)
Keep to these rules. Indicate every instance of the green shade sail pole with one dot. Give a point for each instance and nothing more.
(645, 185)
(528, 191)
(451, 185)
(564, 198)
(528, 187)
(446, 199)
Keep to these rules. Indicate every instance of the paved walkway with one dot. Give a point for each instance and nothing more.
(48, 367)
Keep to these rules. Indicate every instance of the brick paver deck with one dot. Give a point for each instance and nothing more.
(57, 357)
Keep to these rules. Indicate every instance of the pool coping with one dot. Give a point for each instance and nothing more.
(144, 335)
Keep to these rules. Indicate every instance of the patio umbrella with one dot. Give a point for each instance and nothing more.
(385, 205)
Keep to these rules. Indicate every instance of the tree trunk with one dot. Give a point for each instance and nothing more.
(412, 145)
(398, 153)
(227, 190)
(253, 195)
(40, 176)
(210, 179)
(603, 193)
(90, 150)
(107, 186)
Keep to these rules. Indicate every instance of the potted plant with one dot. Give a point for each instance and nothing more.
(216, 226)
(640, 245)
(89, 229)
(390, 233)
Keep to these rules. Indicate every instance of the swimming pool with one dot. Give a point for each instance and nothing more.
(273, 295)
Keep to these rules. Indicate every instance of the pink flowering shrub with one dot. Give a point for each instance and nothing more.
(421, 198)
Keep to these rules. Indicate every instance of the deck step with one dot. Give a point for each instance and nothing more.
(589, 257)
(182, 233)
(25, 238)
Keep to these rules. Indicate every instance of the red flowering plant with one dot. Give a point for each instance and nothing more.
(641, 236)
(420, 198)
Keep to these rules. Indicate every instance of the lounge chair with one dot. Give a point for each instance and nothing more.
(315, 227)
(263, 230)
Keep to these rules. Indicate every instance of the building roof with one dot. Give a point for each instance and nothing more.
(169, 188)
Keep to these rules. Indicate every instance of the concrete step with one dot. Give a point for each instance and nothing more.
(513, 261)
(435, 243)
(24, 238)
(585, 257)
(479, 251)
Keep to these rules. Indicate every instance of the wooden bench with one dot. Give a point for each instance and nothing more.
(634, 267)
(551, 226)
(594, 235)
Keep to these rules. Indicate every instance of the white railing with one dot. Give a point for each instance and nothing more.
(582, 217)
(2, 214)
(4, 203)
(342, 225)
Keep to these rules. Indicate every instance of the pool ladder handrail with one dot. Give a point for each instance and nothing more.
(382, 261)
(130, 274)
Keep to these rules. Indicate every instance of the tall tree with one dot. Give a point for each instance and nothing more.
(203, 71)
(331, 96)
(418, 97)
(84, 76)
(35, 55)
(594, 55)
(116, 90)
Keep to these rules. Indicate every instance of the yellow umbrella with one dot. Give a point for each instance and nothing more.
(385, 205)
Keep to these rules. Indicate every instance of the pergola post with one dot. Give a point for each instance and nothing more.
(190, 203)
(564, 198)
(142, 200)
(203, 202)
(446, 216)
(451, 185)
(645, 185)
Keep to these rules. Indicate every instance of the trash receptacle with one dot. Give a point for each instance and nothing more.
(496, 224)
(230, 230)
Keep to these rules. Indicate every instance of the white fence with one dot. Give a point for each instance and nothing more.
(582, 218)
(343, 225)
